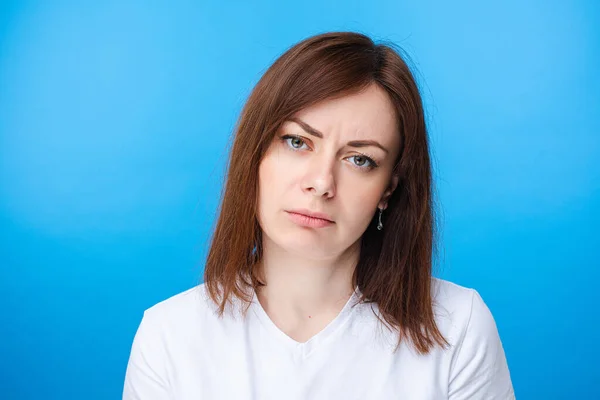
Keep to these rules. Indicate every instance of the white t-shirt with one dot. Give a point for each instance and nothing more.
(184, 351)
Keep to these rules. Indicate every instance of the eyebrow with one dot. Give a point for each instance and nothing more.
(354, 143)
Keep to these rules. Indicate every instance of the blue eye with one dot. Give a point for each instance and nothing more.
(295, 143)
(362, 161)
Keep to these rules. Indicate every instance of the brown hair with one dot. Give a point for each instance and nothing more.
(395, 265)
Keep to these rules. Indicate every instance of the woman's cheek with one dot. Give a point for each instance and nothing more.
(366, 193)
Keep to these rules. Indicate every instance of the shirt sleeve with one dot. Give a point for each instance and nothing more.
(479, 369)
(146, 375)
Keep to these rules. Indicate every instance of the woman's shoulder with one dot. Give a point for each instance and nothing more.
(459, 308)
(167, 337)
(184, 300)
(477, 359)
(182, 310)
(450, 293)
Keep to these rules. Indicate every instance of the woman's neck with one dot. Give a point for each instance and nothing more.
(300, 289)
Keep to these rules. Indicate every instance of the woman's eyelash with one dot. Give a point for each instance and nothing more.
(372, 163)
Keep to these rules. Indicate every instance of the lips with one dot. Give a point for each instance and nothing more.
(312, 214)
(310, 222)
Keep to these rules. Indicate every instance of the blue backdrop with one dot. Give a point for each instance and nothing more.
(114, 124)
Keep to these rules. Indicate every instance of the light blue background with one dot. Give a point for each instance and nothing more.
(114, 124)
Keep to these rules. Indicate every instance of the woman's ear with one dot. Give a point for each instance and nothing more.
(388, 192)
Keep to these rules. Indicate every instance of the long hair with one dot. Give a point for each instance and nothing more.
(395, 265)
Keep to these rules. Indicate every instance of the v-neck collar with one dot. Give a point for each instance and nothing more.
(304, 349)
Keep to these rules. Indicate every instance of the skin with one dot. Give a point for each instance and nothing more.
(309, 270)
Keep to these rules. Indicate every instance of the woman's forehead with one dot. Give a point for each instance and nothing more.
(367, 114)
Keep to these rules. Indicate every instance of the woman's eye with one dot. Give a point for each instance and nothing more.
(294, 142)
(361, 161)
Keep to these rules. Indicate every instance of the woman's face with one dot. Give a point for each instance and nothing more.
(334, 158)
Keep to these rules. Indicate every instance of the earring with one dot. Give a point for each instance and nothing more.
(380, 224)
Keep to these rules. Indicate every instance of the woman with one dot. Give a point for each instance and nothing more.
(318, 283)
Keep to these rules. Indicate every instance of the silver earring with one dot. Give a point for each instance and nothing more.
(380, 224)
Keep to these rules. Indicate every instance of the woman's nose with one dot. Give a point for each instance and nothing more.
(319, 179)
